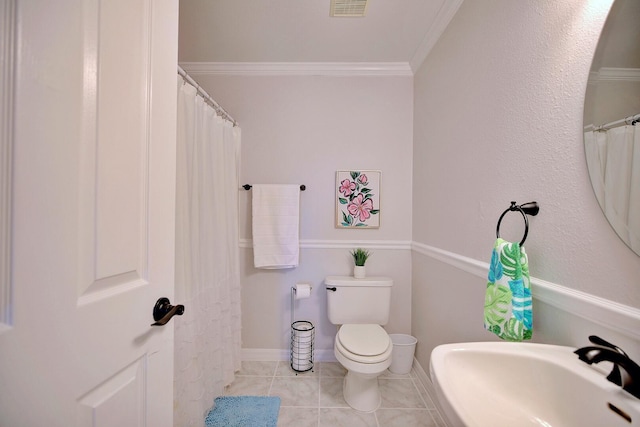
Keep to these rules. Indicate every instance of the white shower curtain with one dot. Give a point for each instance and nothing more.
(613, 157)
(207, 336)
(617, 178)
(595, 144)
(634, 193)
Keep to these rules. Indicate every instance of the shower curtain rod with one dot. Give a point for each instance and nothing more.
(218, 109)
(631, 120)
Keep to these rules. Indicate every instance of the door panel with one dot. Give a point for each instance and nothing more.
(122, 135)
(93, 214)
(115, 148)
(118, 401)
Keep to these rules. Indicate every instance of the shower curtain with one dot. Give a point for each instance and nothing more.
(613, 158)
(207, 278)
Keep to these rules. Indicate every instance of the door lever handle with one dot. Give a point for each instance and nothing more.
(163, 311)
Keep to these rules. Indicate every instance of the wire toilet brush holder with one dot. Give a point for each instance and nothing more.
(302, 337)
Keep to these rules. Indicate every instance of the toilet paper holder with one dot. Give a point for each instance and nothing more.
(302, 334)
(294, 296)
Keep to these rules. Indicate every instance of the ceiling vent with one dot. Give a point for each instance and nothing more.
(348, 8)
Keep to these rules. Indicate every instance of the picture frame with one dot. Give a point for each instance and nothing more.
(357, 194)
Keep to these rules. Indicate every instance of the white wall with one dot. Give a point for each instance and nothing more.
(493, 115)
(302, 129)
(498, 117)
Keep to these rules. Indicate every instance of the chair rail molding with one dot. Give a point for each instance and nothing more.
(604, 312)
(610, 314)
(344, 244)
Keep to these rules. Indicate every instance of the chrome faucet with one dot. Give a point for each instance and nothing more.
(625, 373)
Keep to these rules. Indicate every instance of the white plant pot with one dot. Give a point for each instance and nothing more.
(359, 272)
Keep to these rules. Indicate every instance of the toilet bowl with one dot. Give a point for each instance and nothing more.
(364, 350)
(359, 307)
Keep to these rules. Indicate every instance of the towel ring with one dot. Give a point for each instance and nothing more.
(525, 209)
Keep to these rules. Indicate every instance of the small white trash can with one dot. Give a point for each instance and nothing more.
(404, 346)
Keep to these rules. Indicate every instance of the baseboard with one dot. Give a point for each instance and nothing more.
(277, 355)
(425, 380)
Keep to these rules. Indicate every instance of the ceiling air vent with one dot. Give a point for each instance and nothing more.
(349, 8)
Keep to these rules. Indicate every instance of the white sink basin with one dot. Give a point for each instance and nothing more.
(524, 384)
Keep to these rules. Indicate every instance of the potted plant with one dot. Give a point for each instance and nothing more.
(359, 258)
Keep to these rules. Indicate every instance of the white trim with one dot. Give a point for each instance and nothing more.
(7, 61)
(425, 380)
(298, 68)
(610, 314)
(444, 17)
(344, 244)
(470, 265)
(604, 312)
(610, 74)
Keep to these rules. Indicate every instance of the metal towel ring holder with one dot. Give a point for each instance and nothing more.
(530, 208)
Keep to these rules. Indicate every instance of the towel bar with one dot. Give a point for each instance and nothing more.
(530, 208)
(248, 187)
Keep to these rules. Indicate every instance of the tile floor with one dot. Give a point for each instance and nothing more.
(314, 399)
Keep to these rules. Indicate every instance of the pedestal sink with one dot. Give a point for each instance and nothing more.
(525, 384)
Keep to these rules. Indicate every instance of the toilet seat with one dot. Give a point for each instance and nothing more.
(364, 343)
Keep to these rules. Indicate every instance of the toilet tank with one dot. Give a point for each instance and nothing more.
(358, 300)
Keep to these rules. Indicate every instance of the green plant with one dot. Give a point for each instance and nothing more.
(360, 256)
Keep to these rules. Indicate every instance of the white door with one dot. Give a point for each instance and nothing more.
(92, 213)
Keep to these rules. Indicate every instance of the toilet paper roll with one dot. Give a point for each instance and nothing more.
(303, 290)
(303, 336)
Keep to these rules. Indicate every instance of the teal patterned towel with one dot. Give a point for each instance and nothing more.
(507, 304)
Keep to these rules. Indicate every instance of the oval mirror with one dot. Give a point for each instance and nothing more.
(612, 108)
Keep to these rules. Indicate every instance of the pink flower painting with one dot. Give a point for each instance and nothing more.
(347, 187)
(360, 208)
(358, 200)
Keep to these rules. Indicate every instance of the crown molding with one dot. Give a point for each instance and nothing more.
(337, 69)
(443, 18)
(611, 74)
(340, 69)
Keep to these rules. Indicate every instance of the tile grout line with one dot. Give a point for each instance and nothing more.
(319, 393)
(429, 410)
(375, 416)
(433, 414)
(415, 386)
(273, 378)
(319, 390)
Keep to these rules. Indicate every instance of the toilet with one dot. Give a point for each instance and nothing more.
(359, 307)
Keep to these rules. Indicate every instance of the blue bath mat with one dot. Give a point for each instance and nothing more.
(244, 411)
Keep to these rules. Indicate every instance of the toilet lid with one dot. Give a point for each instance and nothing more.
(364, 340)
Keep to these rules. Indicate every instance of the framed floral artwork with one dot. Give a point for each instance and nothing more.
(358, 199)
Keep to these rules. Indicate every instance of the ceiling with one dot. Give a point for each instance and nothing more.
(301, 31)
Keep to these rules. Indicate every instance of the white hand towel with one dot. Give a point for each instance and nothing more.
(276, 219)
